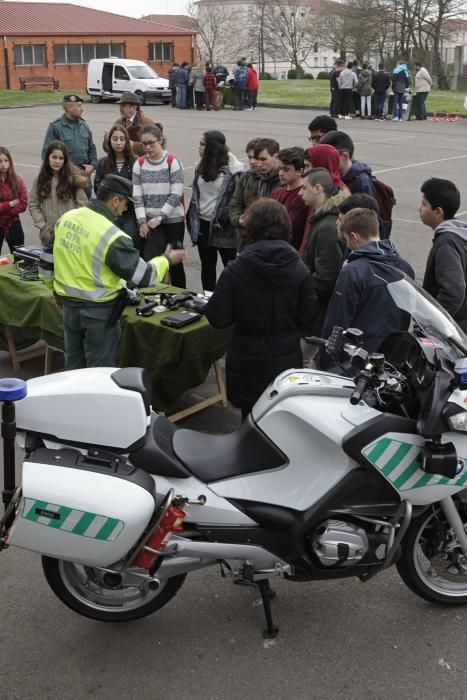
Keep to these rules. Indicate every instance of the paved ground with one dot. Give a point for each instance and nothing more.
(337, 640)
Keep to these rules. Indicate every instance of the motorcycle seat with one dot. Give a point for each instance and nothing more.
(156, 456)
(218, 457)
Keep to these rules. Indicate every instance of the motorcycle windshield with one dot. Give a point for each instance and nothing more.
(430, 317)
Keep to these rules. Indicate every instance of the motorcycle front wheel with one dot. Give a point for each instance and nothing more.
(432, 564)
(92, 593)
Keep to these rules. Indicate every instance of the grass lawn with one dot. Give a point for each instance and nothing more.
(316, 93)
(31, 97)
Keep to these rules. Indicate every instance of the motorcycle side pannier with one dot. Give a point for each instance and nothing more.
(85, 511)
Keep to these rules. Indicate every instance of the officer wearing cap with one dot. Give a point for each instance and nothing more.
(85, 261)
(75, 134)
(133, 119)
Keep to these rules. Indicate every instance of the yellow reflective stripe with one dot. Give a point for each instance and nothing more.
(161, 265)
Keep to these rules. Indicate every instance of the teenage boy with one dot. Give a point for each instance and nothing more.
(446, 268)
(355, 174)
(319, 126)
(290, 176)
(359, 299)
(324, 252)
(334, 106)
(264, 180)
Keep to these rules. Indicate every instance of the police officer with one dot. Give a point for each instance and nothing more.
(75, 134)
(86, 258)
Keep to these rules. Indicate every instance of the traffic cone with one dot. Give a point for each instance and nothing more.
(447, 118)
(457, 117)
(434, 118)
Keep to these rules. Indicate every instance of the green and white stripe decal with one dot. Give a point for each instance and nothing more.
(75, 522)
(400, 463)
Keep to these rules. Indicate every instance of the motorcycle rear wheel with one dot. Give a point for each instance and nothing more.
(82, 589)
(428, 561)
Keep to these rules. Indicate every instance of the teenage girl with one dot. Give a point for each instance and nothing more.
(13, 201)
(119, 161)
(56, 190)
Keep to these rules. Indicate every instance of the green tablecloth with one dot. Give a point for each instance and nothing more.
(228, 95)
(177, 359)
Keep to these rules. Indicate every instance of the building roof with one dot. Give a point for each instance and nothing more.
(58, 19)
(315, 5)
(180, 21)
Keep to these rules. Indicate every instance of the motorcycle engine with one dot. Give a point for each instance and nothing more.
(338, 542)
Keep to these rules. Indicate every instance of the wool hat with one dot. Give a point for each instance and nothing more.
(129, 98)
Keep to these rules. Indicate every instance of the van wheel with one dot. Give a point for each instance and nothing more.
(142, 97)
(95, 99)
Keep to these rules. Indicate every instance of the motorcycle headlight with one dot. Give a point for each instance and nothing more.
(458, 422)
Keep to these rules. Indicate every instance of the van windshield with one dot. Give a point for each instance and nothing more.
(143, 72)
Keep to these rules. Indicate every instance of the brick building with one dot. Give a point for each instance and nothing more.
(59, 39)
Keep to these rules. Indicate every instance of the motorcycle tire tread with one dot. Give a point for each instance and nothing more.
(52, 574)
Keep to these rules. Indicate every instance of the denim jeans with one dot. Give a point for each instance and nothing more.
(397, 107)
(365, 101)
(182, 91)
(421, 99)
(380, 99)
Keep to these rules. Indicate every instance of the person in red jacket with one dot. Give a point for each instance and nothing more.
(290, 176)
(13, 201)
(252, 85)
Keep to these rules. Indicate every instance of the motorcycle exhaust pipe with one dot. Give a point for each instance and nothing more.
(257, 556)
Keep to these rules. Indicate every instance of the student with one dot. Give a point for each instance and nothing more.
(347, 81)
(365, 90)
(446, 268)
(266, 295)
(381, 83)
(252, 86)
(120, 161)
(326, 156)
(240, 78)
(423, 85)
(360, 300)
(13, 201)
(319, 126)
(210, 88)
(323, 253)
(290, 176)
(158, 194)
(400, 83)
(355, 174)
(207, 220)
(261, 183)
(335, 105)
(57, 189)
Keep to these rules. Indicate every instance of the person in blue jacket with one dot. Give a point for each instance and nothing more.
(360, 299)
(355, 174)
(400, 82)
(240, 76)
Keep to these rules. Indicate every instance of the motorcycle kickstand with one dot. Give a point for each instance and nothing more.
(267, 594)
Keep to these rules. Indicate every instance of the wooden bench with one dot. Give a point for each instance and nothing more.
(41, 80)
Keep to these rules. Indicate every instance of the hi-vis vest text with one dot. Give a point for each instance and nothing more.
(81, 240)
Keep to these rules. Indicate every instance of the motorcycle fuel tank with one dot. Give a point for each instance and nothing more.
(80, 514)
(83, 406)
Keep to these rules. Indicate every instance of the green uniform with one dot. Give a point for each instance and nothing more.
(77, 137)
(84, 262)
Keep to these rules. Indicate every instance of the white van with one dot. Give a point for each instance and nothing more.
(111, 77)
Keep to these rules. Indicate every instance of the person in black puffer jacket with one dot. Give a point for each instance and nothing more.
(266, 295)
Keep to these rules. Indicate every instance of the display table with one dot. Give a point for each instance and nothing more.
(228, 95)
(177, 359)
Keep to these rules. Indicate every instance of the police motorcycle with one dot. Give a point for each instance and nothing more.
(331, 476)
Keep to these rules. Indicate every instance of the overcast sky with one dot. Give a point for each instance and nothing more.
(135, 8)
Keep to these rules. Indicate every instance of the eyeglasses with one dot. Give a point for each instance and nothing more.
(148, 143)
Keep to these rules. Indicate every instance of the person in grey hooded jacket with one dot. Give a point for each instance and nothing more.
(208, 219)
(446, 269)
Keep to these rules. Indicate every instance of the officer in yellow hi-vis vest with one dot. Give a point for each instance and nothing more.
(86, 258)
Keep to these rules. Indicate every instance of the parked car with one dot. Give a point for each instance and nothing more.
(111, 77)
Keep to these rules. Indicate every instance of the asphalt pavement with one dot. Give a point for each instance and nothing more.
(337, 640)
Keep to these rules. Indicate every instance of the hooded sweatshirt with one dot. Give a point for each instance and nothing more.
(358, 178)
(446, 269)
(361, 300)
(266, 295)
(400, 78)
(323, 155)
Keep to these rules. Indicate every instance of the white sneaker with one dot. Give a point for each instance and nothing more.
(340, 116)
(249, 109)
(347, 116)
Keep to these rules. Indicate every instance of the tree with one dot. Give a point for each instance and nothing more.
(290, 29)
(217, 28)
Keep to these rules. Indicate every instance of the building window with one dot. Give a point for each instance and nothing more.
(29, 55)
(160, 51)
(325, 59)
(83, 53)
(315, 47)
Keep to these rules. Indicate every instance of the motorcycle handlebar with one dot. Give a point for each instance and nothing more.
(360, 387)
(312, 340)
